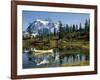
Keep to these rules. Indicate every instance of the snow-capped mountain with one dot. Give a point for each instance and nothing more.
(45, 22)
(42, 26)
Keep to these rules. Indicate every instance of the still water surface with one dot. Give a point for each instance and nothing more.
(57, 58)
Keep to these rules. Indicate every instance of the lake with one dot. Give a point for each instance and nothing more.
(57, 58)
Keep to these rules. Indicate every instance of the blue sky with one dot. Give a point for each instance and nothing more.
(64, 17)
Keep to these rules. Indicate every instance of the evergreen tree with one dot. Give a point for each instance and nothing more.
(67, 28)
(54, 31)
(61, 30)
(76, 27)
(87, 25)
(80, 27)
(73, 28)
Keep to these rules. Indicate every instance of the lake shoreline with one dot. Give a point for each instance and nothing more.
(31, 43)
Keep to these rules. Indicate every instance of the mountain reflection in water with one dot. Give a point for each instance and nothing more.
(57, 58)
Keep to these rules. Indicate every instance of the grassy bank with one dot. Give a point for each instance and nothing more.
(45, 44)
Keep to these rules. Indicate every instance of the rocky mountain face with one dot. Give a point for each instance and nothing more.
(43, 26)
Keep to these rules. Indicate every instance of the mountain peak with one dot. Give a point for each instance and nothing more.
(42, 26)
(44, 22)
